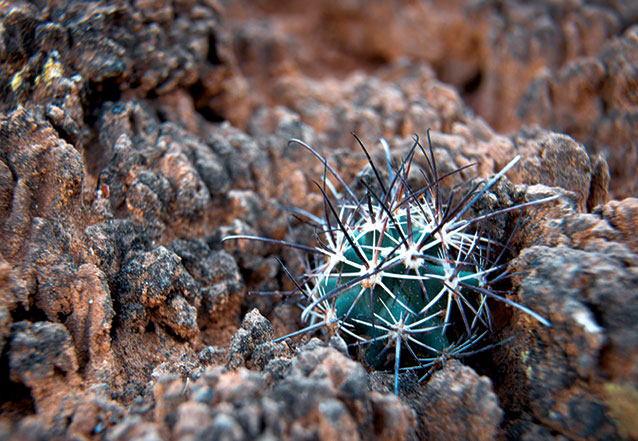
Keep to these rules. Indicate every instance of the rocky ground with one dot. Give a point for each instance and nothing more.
(135, 135)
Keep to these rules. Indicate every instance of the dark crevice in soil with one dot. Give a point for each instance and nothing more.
(97, 94)
(198, 92)
(15, 398)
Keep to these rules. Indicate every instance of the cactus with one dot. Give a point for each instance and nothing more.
(397, 272)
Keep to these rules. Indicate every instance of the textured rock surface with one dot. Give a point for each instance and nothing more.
(458, 404)
(593, 98)
(568, 66)
(134, 136)
(323, 395)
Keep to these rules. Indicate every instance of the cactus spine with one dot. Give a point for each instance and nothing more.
(397, 272)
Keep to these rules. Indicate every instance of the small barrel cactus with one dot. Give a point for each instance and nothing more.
(397, 272)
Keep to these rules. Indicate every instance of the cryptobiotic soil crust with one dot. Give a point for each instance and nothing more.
(135, 136)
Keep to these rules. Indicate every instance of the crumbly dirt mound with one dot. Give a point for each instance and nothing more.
(134, 136)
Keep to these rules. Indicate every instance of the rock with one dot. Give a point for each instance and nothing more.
(134, 136)
(255, 330)
(587, 97)
(504, 60)
(113, 48)
(391, 419)
(152, 287)
(33, 149)
(217, 272)
(622, 216)
(38, 349)
(28, 429)
(134, 428)
(90, 323)
(95, 413)
(458, 404)
(164, 178)
(213, 355)
(42, 357)
(590, 303)
(323, 394)
(13, 293)
(558, 161)
(110, 241)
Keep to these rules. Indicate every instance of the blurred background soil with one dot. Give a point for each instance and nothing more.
(134, 135)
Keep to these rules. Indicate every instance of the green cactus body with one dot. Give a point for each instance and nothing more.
(400, 270)
(401, 294)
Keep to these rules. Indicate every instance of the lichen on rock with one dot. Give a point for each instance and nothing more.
(134, 136)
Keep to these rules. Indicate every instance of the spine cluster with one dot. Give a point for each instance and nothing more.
(398, 273)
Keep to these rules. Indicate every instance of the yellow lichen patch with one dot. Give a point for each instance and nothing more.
(529, 372)
(52, 69)
(622, 401)
(16, 81)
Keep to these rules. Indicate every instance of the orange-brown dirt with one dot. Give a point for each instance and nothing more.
(134, 136)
